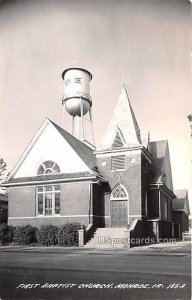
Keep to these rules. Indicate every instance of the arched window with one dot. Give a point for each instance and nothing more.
(119, 192)
(119, 207)
(48, 167)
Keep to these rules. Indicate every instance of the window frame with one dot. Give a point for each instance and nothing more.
(53, 190)
(48, 168)
(119, 197)
(118, 169)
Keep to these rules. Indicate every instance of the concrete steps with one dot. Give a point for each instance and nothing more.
(108, 238)
(186, 236)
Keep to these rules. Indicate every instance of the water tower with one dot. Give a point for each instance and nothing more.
(77, 100)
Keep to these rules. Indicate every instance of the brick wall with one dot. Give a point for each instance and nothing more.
(98, 204)
(130, 178)
(165, 230)
(181, 218)
(38, 221)
(145, 167)
(153, 204)
(22, 202)
(75, 199)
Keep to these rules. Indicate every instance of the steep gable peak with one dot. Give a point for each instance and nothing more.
(124, 119)
(52, 143)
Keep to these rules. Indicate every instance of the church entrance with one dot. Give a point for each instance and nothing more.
(118, 213)
(119, 207)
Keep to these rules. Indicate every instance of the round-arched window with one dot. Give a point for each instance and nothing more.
(48, 167)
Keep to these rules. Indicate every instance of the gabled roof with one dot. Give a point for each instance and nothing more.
(83, 151)
(161, 166)
(181, 202)
(158, 148)
(124, 120)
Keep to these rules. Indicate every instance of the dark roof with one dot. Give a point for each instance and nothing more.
(161, 165)
(158, 148)
(85, 152)
(181, 202)
(156, 170)
(158, 151)
(49, 177)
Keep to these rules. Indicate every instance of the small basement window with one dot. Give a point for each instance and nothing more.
(118, 162)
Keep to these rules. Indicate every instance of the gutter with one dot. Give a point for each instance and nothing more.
(12, 184)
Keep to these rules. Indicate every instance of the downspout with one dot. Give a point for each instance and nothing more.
(90, 203)
(159, 211)
(90, 208)
(159, 203)
(89, 228)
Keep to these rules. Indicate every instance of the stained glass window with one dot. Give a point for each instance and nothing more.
(119, 192)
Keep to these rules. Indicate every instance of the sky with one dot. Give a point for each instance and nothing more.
(147, 40)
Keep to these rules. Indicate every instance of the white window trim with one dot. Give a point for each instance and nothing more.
(53, 192)
(54, 164)
(126, 198)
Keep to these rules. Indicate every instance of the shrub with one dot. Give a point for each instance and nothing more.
(47, 235)
(6, 233)
(25, 235)
(68, 234)
(3, 217)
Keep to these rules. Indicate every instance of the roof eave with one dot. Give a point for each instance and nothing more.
(162, 187)
(50, 181)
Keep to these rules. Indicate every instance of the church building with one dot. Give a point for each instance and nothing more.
(125, 185)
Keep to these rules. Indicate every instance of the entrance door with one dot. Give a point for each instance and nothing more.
(119, 213)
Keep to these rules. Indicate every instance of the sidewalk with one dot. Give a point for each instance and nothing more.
(180, 247)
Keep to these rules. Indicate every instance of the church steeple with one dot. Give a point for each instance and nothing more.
(123, 130)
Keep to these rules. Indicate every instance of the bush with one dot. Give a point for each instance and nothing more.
(68, 234)
(6, 233)
(47, 235)
(3, 217)
(25, 235)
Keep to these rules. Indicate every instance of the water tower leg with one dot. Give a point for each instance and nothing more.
(82, 129)
(73, 125)
(76, 127)
(91, 121)
(62, 117)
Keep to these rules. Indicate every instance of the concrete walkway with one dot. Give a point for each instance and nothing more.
(163, 249)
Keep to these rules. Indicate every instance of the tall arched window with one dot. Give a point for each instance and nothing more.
(119, 207)
(119, 192)
(48, 167)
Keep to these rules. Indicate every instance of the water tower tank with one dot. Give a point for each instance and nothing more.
(77, 91)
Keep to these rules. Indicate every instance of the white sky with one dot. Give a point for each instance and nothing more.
(149, 41)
